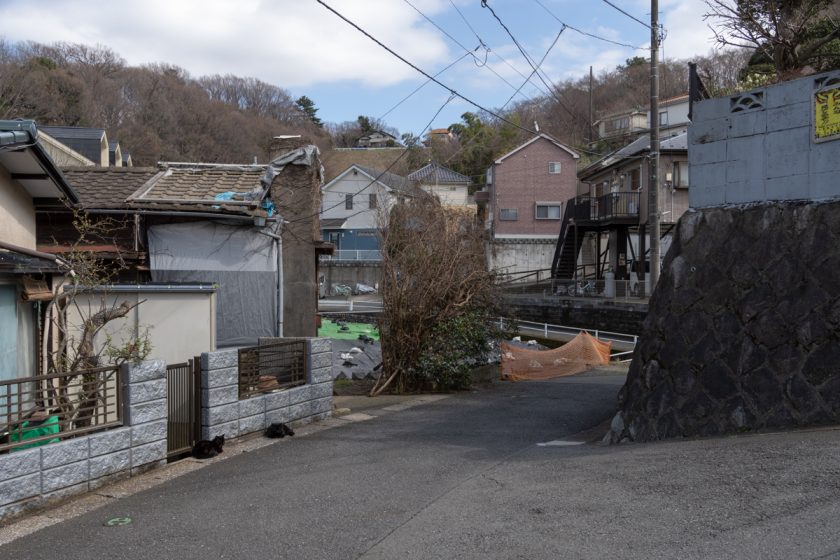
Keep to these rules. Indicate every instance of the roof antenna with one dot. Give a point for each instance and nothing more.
(536, 126)
(255, 160)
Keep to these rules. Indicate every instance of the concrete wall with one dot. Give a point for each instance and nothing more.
(181, 325)
(613, 316)
(17, 214)
(509, 256)
(223, 413)
(350, 273)
(34, 477)
(758, 146)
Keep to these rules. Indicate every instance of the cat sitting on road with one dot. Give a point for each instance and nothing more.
(205, 449)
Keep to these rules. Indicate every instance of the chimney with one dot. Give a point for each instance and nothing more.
(286, 143)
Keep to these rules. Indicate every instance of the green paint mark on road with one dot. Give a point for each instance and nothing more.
(117, 522)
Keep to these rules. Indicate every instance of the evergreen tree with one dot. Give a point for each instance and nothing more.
(307, 106)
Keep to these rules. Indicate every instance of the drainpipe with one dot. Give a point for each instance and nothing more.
(278, 247)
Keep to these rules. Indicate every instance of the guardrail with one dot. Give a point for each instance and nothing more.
(348, 255)
(350, 305)
(546, 330)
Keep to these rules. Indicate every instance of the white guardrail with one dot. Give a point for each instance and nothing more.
(546, 330)
(349, 305)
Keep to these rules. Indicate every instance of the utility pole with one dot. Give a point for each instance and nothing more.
(591, 112)
(653, 184)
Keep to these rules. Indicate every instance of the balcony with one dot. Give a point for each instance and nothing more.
(353, 256)
(620, 206)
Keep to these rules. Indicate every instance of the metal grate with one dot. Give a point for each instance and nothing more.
(183, 397)
(46, 408)
(272, 365)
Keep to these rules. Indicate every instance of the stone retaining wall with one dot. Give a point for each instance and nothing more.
(33, 477)
(223, 412)
(742, 332)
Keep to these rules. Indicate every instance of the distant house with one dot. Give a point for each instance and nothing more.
(610, 216)
(353, 207)
(378, 139)
(27, 175)
(525, 197)
(90, 142)
(443, 135)
(622, 124)
(450, 187)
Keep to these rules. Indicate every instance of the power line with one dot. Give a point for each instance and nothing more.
(387, 169)
(586, 33)
(634, 18)
(484, 4)
(472, 53)
(421, 86)
(432, 78)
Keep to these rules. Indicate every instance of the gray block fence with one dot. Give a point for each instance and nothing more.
(222, 413)
(33, 478)
(759, 146)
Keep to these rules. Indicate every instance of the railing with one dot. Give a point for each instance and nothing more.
(345, 255)
(48, 408)
(549, 331)
(272, 365)
(606, 207)
(350, 305)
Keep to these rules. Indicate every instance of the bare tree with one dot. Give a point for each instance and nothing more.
(434, 271)
(779, 29)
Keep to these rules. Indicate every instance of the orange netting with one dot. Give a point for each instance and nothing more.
(579, 354)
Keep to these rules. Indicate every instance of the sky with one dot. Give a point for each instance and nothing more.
(306, 49)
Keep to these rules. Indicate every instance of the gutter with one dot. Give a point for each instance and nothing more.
(37, 254)
(150, 288)
(278, 241)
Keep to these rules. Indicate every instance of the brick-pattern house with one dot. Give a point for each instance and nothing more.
(527, 190)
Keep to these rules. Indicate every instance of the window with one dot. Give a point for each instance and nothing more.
(372, 201)
(681, 174)
(554, 167)
(348, 201)
(663, 118)
(509, 214)
(548, 211)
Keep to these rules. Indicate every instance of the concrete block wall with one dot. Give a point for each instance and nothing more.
(34, 477)
(758, 146)
(222, 413)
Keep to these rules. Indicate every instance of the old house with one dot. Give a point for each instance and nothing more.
(248, 234)
(527, 190)
(27, 176)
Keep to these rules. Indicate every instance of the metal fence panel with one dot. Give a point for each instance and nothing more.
(272, 365)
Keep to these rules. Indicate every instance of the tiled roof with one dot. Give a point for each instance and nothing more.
(434, 173)
(180, 188)
(202, 183)
(107, 187)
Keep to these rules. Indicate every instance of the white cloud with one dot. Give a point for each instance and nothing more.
(295, 43)
(688, 34)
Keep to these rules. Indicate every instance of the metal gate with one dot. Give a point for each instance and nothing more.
(183, 401)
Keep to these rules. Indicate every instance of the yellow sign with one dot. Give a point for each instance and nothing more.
(827, 114)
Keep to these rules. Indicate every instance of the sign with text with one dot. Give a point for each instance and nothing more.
(827, 114)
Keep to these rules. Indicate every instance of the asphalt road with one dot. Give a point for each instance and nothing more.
(466, 477)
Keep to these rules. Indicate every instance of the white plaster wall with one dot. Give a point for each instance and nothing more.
(181, 325)
(17, 214)
(457, 197)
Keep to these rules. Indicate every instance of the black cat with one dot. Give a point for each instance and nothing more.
(278, 430)
(205, 449)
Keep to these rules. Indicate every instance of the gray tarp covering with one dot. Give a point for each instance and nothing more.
(241, 261)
